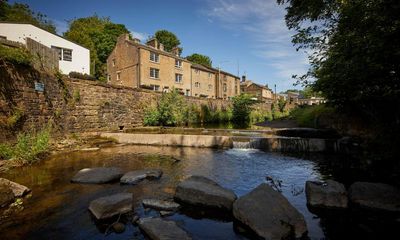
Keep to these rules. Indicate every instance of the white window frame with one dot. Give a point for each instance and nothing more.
(155, 73)
(178, 78)
(118, 76)
(178, 63)
(154, 57)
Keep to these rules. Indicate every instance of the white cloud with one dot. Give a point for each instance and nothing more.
(263, 21)
(140, 35)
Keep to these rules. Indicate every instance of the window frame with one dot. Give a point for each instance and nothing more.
(178, 78)
(156, 57)
(156, 72)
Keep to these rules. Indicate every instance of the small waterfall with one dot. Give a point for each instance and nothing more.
(246, 143)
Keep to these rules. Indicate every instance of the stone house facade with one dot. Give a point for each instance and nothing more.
(148, 66)
(262, 93)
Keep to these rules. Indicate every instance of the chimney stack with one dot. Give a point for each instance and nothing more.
(244, 78)
(153, 42)
(123, 37)
(176, 51)
(136, 40)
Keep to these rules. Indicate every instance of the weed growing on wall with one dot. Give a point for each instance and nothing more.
(15, 55)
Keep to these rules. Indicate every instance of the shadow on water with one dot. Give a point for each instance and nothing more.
(58, 209)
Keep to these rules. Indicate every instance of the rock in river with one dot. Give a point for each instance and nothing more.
(159, 229)
(375, 196)
(269, 214)
(97, 175)
(201, 191)
(109, 206)
(159, 204)
(329, 194)
(18, 189)
(6, 195)
(136, 176)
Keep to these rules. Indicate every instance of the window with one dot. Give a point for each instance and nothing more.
(67, 54)
(197, 71)
(113, 62)
(225, 77)
(197, 84)
(108, 77)
(155, 87)
(154, 57)
(225, 87)
(187, 92)
(209, 75)
(118, 76)
(178, 63)
(59, 51)
(178, 78)
(154, 73)
(63, 53)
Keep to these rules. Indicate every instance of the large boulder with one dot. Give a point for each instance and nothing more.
(18, 189)
(329, 194)
(269, 214)
(110, 206)
(159, 204)
(203, 192)
(375, 196)
(159, 229)
(134, 177)
(6, 195)
(97, 175)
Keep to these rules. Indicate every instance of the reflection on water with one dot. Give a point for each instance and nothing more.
(58, 209)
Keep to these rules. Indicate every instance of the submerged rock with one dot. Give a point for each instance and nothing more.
(159, 204)
(375, 196)
(134, 177)
(159, 229)
(204, 192)
(109, 206)
(329, 194)
(166, 213)
(97, 175)
(269, 214)
(118, 227)
(18, 189)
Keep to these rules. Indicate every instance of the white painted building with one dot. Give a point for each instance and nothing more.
(73, 57)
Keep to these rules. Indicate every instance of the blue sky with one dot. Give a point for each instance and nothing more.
(250, 34)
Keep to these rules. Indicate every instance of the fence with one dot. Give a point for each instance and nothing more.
(45, 58)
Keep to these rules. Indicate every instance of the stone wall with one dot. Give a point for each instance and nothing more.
(73, 105)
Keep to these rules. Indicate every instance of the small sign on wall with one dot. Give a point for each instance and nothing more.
(39, 86)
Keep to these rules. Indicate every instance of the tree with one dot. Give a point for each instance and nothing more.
(21, 13)
(242, 109)
(169, 40)
(99, 35)
(354, 58)
(200, 59)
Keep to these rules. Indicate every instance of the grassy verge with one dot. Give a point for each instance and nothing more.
(28, 148)
(308, 116)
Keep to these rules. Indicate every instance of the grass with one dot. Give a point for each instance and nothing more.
(15, 55)
(28, 148)
(307, 116)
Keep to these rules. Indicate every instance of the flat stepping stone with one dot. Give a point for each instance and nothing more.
(269, 214)
(375, 196)
(159, 204)
(204, 192)
(110, 206)
(328, 194)
(97, 175)
(18, 189)
(134, 177)
(159, 229)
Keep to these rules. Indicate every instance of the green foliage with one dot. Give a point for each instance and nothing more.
(15, 55)
(307, 116)
(281, 104)
(242, 109)
(355, 60)
(77, 96)
(21, 13)
(200, 59)
(16, 117)
(169, 40)
(258, 115)
(151, 117)
(29, 146)
(99, 35)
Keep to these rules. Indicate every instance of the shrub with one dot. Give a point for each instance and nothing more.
(79, 75)
(151, 117)
(242, 109)
(28, 148)
(15, 55)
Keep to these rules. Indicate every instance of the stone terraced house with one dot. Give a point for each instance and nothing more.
(149, 66)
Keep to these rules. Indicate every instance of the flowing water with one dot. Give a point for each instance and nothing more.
(57, 208)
